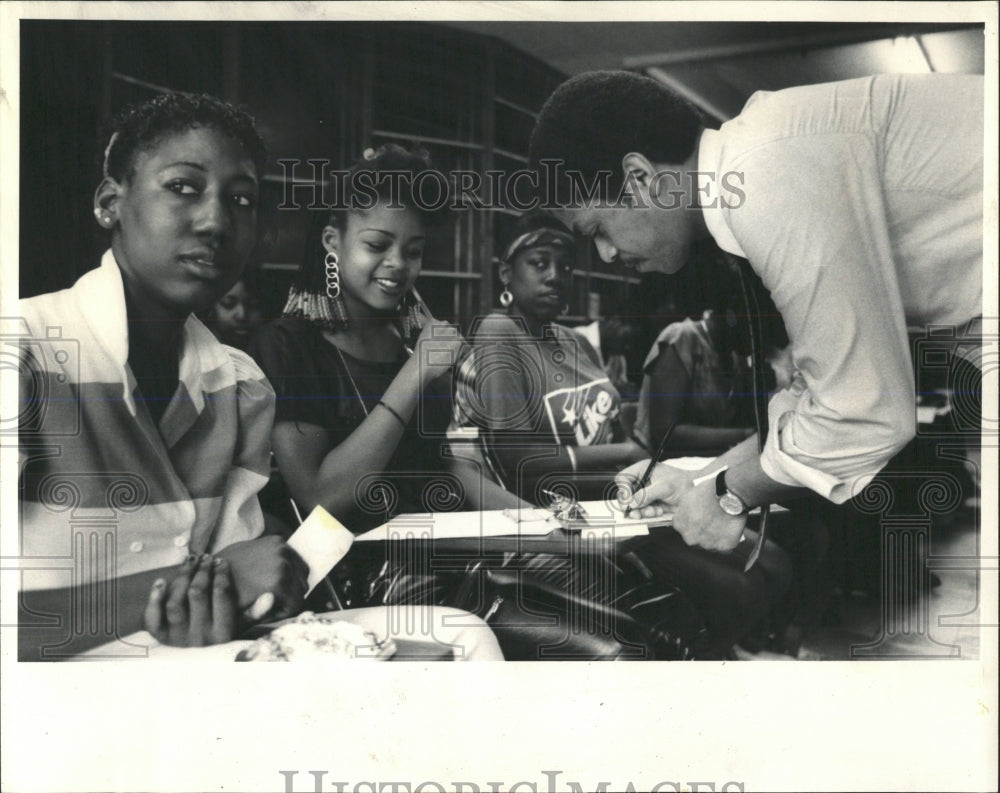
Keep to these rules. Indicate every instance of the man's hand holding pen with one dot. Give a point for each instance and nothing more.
(690, 496)
(663, 488)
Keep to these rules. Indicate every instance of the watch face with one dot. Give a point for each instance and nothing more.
(731, 504)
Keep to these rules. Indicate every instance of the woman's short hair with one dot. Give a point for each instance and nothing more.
(389, 174)
(594, 119)
(138, 128)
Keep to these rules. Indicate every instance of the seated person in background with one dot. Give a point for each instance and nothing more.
(535, 388)
(613, 340)
(161, 432)
(618, 341)
(697, 373)
(235, 315)
(360, 420)
(695, 381)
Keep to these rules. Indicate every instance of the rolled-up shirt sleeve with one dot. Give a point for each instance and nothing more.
(813, 227)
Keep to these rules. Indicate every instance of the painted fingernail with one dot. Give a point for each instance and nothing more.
(261, 606)
(159, 583)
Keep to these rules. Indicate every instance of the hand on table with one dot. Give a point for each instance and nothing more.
(266, 565)
(196, 608)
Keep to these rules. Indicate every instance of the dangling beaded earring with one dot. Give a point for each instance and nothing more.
(506, 298)
(325, 309)
(332, 266)
(409, 321)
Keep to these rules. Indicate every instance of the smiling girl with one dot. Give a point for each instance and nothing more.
(161, 432)
(360, 419)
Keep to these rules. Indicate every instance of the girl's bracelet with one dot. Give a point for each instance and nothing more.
(394, 413)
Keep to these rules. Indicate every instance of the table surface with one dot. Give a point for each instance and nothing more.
(141, 646)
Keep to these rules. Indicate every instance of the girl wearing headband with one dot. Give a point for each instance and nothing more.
(538, 384)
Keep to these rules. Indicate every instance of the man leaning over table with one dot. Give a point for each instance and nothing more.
(859, 205)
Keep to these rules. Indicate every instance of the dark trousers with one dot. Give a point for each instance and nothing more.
(732, 602)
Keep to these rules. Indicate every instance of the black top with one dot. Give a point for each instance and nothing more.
(312, 386)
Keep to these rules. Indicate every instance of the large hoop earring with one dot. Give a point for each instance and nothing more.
(506, 298)
(332, 275)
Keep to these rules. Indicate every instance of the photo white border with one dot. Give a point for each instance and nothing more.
(908, 725)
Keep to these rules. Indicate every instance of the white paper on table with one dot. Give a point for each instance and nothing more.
(602, 517)
(926, 414)
(689, 463)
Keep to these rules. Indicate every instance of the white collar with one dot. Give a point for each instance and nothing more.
(710, 162)
(102, 304)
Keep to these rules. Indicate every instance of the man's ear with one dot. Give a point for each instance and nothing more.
(106, 202)
(331, 239)
(637, 167)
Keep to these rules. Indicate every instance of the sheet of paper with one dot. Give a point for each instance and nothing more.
(926, 414)
(689, 463)
(601, 516)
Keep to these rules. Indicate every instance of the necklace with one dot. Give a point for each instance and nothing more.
(382, 489)
(347, 370)
(385, 490)
(350, 377)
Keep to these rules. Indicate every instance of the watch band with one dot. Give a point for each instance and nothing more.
(720, 483)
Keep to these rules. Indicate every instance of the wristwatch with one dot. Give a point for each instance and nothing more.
(729, 502)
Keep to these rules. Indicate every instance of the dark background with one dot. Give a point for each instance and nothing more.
(468, 92)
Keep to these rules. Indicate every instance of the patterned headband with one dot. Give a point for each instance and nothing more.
(531, 239)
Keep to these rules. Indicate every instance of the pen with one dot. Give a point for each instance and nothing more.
(420, 301)
(648, 473)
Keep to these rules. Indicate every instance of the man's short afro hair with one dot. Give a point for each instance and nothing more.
(594, 119)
